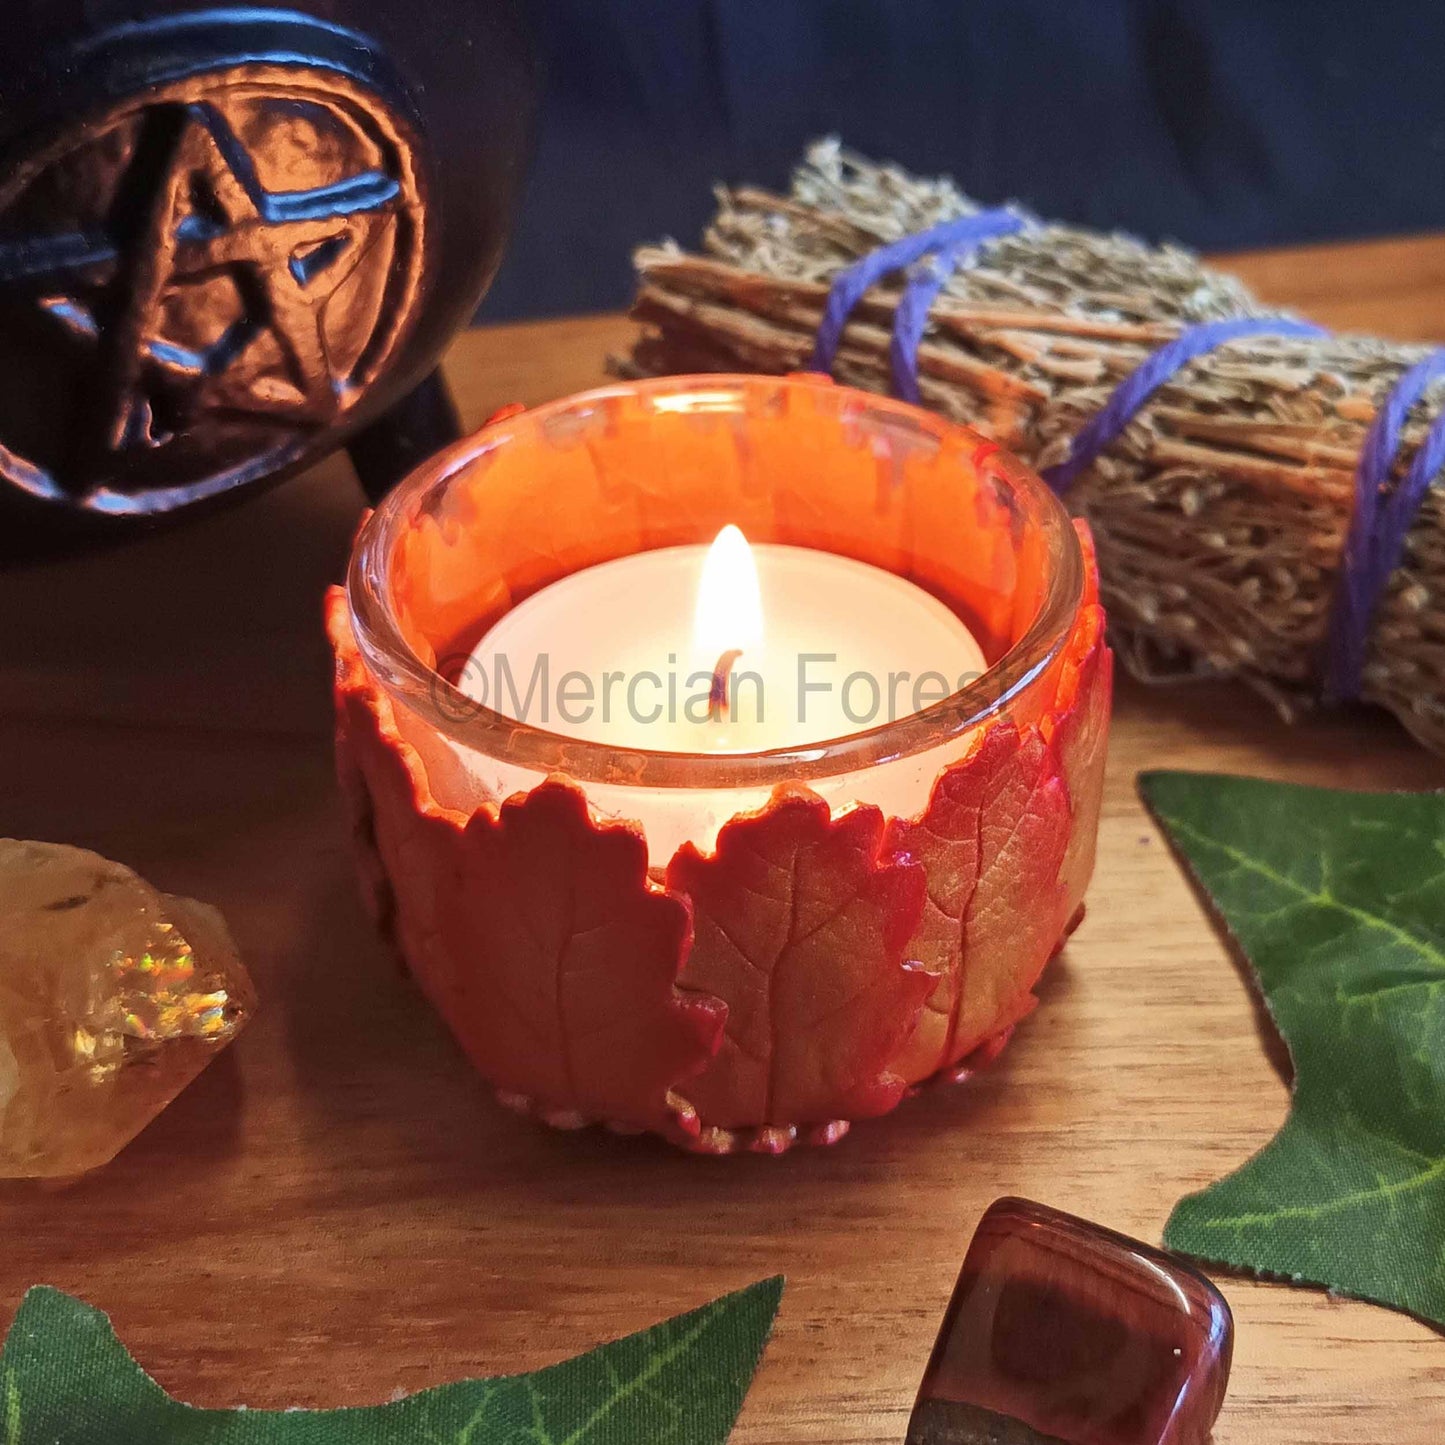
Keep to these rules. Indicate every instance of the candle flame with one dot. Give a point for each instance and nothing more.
(729, 615)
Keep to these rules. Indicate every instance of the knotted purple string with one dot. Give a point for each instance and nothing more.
(910, 320)
(1375, 542)
(954, 240)
(1157, 368)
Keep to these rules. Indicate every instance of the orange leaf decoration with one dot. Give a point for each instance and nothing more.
(801, 928)
(535, 931)
(1007, 841)
(991, 840)
(1080, 724)
(811, 970)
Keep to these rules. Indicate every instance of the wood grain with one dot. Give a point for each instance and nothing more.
(1391, 287)
(336, 1211)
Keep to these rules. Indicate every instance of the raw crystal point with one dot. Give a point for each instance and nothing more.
(113, 997)
(1063, 1333)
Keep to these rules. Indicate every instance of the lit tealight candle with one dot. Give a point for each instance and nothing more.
(736, 772)
(729, 648)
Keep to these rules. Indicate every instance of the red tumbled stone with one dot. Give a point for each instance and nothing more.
(1060, 1332)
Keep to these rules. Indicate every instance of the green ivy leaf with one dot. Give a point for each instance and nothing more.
(1338, 900)
(66, 1380)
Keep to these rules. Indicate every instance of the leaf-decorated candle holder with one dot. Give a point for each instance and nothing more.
(734, 950)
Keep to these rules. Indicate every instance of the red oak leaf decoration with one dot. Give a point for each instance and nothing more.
(802, 929)
(992, 841)
(1080, 724)
(534, 930)
(811, 970)
(1007, 842)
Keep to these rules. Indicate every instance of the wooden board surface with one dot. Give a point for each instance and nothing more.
(337, 1211)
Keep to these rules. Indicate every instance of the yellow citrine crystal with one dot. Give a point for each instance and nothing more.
(113, 997)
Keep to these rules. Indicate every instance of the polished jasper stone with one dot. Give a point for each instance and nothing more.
(1063, 1333)
(113, 997)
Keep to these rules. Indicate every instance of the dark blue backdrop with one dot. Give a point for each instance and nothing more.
(1222, 123)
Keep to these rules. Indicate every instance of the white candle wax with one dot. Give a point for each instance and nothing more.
(625, 652)
(630, 615)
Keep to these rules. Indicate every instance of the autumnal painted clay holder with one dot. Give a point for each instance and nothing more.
(597, 967)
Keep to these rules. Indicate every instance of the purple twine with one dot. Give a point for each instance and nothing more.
(954, 240)
(910, 320)
(1157, 368)
(1375, 542)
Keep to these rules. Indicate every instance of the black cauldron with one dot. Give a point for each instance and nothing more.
(233, 238)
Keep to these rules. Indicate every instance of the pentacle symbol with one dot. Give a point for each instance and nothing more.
(196, 286)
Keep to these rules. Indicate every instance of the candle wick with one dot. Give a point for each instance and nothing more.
(717, 698)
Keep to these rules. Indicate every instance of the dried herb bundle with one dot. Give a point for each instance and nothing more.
(1221, 512)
